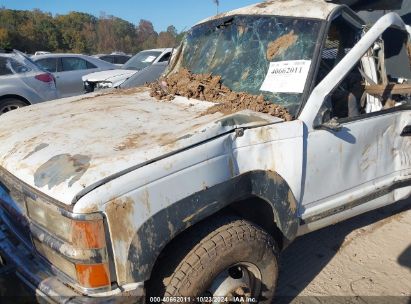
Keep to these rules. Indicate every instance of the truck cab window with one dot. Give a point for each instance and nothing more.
(345, 99)
(378, 82)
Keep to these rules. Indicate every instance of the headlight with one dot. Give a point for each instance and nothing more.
(80, 247)
(50, 219)
(104, 85)
(56, 259)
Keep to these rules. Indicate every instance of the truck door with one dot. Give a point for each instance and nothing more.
(356, 153)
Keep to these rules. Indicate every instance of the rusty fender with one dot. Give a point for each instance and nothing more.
(160, 229)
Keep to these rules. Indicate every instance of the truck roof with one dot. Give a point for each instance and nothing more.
(317, 9)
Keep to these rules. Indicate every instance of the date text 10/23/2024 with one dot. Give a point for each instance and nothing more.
(237, 299)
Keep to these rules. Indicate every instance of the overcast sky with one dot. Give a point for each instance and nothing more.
(180, 13)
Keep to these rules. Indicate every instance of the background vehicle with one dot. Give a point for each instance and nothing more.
(140, 61)
(176, 199)
(69, 68)
(114, 58)
(147, 75)
(41, 53)
(22, 82)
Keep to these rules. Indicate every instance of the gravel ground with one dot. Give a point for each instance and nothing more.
(366, 259)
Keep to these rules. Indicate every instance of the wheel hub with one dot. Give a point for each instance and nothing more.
(238, 281)
(8, 108)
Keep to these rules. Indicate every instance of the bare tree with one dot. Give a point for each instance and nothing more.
(217, 3)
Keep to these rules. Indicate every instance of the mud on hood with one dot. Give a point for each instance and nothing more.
(61, 147)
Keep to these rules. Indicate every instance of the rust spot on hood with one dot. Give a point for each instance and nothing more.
(61, 168)
(280, 45)
(265, 4)
(131, 142)
(119, 92)
(138, 140)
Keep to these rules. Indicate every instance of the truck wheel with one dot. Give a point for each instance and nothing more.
(9, 104)
(235, 258)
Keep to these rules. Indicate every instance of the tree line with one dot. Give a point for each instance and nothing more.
(35, 30)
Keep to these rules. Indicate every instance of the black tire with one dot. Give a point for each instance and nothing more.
(216, 248)
(9, 104)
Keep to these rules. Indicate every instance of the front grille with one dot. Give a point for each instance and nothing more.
(21, 232)
(14, 213)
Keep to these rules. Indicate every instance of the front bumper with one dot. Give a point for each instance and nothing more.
(37, 275)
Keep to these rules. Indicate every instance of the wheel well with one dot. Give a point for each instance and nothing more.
(15, 97)
(253, 209)
(257, 211)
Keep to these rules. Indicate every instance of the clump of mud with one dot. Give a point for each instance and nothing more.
(209, 87)
(280, 45)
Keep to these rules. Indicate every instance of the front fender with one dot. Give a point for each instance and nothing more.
(161, 228)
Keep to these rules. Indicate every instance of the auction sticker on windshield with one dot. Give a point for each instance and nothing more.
(286, 76)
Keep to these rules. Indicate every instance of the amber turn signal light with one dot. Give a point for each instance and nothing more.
(93, 275)
(88, 234)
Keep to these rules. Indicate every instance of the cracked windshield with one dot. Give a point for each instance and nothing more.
(254, 55)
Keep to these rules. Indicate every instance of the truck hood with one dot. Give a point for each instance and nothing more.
(114, 76)
(62, 147)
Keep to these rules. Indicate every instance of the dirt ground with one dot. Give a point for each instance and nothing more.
(366, 259)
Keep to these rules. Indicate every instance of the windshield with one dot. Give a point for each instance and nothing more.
(265, 55)
(141, 60)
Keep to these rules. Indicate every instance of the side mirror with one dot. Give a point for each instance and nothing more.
(332, 125)
(324, 120)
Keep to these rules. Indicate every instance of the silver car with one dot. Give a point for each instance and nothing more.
(69, 68)
(135, 66)
(118, 59)
(22, 82)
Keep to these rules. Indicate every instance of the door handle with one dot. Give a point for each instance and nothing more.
(406, 131)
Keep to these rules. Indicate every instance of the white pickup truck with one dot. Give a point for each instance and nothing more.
(163, 201)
